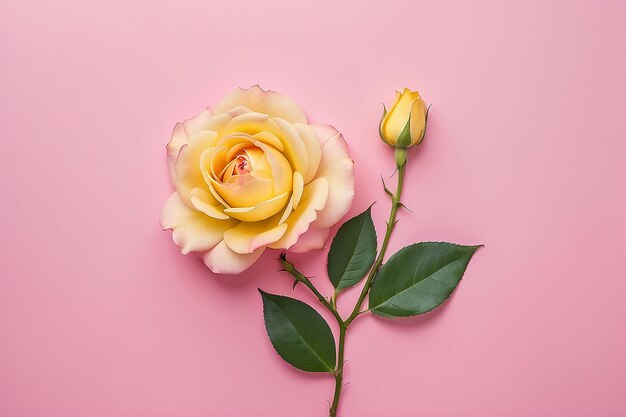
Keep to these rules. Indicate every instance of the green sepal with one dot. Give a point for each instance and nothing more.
(404, 138)
(380, 124)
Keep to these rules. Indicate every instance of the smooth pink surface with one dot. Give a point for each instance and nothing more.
(100, 315)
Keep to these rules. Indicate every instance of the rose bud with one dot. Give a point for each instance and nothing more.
(405, 124)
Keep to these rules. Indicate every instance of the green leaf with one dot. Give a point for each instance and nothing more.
(353, 251)
(418, 278)
(299, 334)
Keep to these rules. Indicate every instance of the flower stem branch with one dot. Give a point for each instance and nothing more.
(300, 277)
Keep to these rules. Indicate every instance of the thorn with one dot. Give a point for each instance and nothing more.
(394, 223)
(405, 207)
(387, 191)
(293, 287)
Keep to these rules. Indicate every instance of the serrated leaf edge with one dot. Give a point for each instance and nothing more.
(470, 254)
(369, 209)
(264, 297)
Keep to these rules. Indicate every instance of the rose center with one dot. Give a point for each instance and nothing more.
(237, 169)
(242, 165)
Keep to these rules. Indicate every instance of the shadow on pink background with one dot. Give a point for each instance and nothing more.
(100, 315)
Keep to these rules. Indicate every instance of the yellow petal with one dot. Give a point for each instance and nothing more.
(238, 111)
(248, 194)
(188, 174)
(197, 124)
(217, 196)
(260, 165)
(312, 239)
(183, 131)
(268, 102)
(252, 123)
(207, 160)
(228, 172)
(296, 195)
(418, 120)
(314, 199)
(248, 237)
(287, 211)
(206, 203)
(236, 147)
(192, 230)
(270, 139)
(217, 160)
(295, 149)
(338, 169)
(261, 211)
(280, 168)
(298, 185)
(223, 260)
(173, 149)
(324, 132)
(313, 149)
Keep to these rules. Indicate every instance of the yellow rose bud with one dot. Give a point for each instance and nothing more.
(405, 123)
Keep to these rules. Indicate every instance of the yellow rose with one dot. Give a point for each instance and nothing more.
(405, 124)
(254, 174)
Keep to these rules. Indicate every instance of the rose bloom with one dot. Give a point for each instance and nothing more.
(255, 174)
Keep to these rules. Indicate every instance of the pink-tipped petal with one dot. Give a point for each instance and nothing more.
(259, 100)
(191, 229)
(222, 260)
(312, 239)
(338, 169)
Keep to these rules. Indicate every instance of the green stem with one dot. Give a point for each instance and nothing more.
(395, 204)
(343, 326)
(299, 276)
(339, 370)
(332, 307)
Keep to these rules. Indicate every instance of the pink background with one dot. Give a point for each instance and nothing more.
(100, 315)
